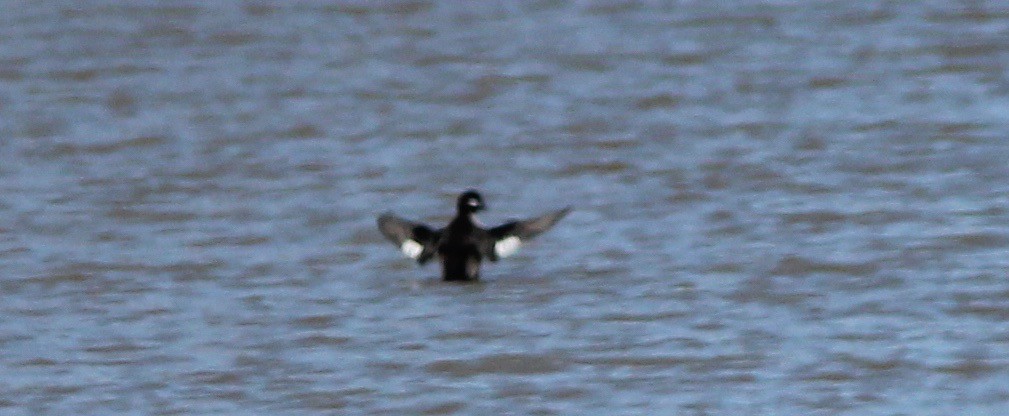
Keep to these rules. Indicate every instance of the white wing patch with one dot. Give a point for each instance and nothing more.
(507, 246)
(412, 249)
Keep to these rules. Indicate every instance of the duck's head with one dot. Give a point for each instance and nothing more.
(470, 202)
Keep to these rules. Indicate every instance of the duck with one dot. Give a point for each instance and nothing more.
(464, 243)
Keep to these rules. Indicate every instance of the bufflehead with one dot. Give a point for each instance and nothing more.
(463, 243)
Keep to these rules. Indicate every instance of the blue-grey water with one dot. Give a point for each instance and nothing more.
(782, 207)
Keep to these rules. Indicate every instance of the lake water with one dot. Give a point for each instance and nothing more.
(781, 207)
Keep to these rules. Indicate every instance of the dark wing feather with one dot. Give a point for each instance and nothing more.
(400, 231)
(521, 230)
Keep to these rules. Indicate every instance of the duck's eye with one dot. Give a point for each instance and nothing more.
(473, 203)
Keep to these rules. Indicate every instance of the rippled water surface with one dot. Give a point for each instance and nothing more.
(782, 207)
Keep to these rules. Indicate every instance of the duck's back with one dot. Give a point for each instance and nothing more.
(459, 250)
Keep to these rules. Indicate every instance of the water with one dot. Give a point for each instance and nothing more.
(781, 207)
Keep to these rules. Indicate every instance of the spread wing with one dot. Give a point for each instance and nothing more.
(417, 241)
(508, 237)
